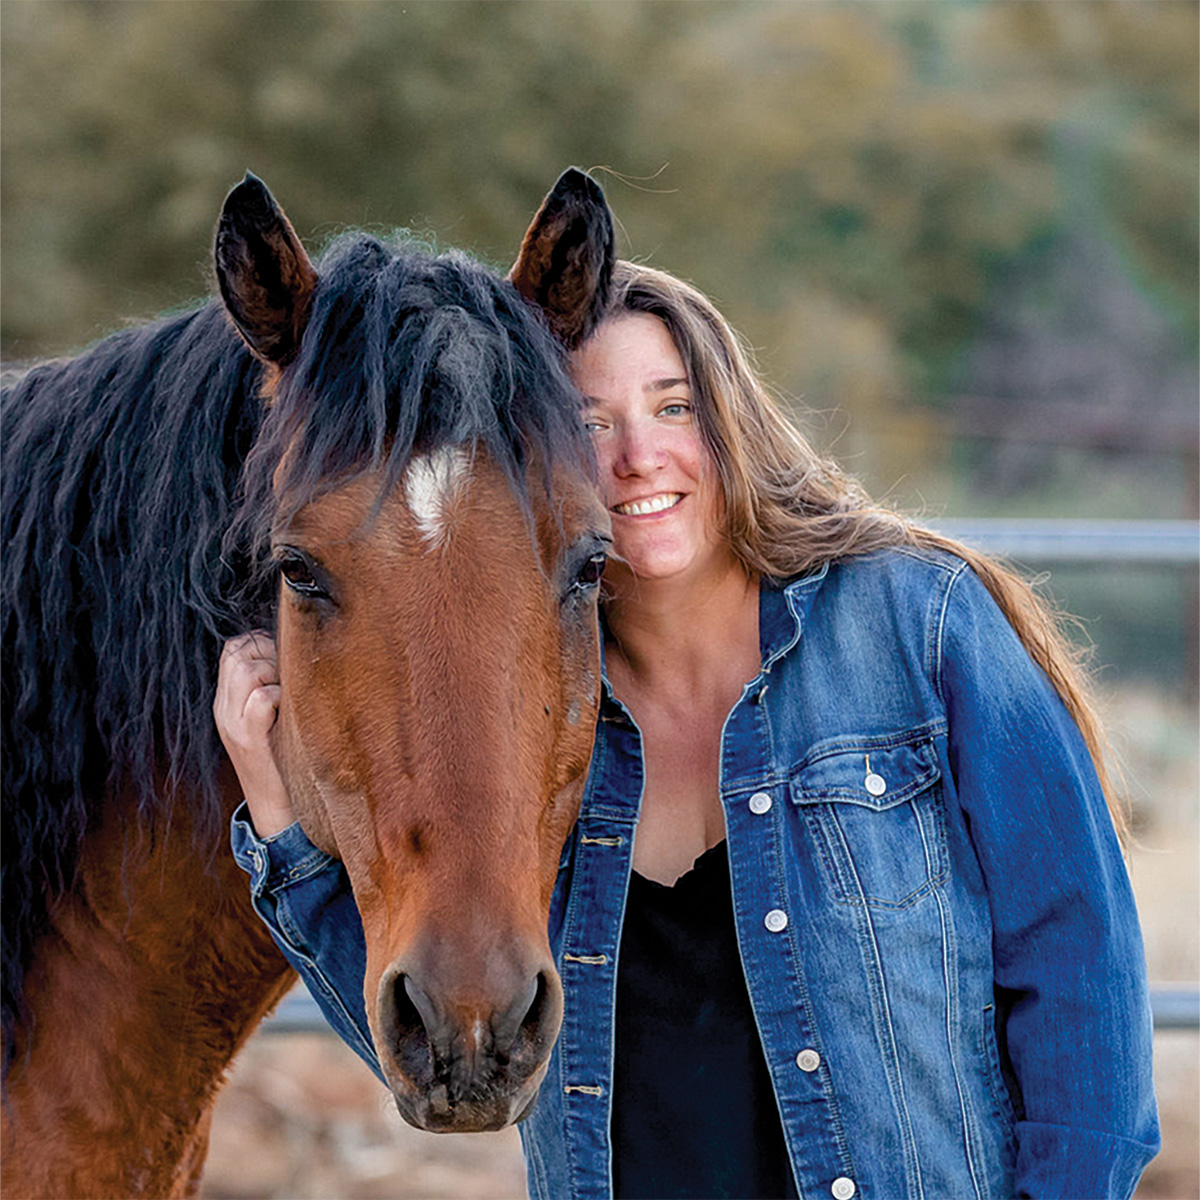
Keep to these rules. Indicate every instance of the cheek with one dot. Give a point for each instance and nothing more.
(307, 735)
(307, 801)
(695, 459)
(579, 669)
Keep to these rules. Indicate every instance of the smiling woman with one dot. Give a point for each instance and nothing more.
(845, 835)
(658, 480)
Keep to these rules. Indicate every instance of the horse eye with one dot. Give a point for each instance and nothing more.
(297, 572)
(590, 572)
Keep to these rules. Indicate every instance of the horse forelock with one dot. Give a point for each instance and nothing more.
(406, 354)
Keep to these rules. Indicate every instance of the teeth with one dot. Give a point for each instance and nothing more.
(639, 508)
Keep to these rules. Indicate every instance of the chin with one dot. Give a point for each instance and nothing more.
(439, 1111)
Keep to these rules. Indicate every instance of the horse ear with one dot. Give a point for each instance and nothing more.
(566, 260)
(266, 278)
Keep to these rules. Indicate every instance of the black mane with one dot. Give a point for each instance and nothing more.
(136, 499)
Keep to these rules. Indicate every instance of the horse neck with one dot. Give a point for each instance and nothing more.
(152, 976)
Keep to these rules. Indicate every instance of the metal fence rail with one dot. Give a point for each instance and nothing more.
(1169, 543)
(1173, 1008)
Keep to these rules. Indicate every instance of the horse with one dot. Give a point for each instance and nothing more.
(380, 457)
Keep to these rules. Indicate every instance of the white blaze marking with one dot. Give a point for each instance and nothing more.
(430, 483)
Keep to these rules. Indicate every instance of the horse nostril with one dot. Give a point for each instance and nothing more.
(509, 1025)
(525, 1034)
(407, 1029)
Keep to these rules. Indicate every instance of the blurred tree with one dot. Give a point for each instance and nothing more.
(852, 181)
(914, 206)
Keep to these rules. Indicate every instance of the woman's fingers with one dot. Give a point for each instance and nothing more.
(247, 663)
(249, 660)
(245, 709)
(261, 709)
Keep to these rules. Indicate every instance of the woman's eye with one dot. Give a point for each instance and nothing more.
(677, 409)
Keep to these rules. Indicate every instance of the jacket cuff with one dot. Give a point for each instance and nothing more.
(274, 862)
(1057, 1162)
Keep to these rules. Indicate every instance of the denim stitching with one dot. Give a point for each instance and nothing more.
(950, 983)
(940, 633)
(873, 963)
(993, 1075)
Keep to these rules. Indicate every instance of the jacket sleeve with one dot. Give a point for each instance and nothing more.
(303, 896)
(1069, 964)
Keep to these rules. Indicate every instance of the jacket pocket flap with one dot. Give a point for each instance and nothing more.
(874, 776)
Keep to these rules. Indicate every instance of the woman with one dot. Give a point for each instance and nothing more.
(862, 768)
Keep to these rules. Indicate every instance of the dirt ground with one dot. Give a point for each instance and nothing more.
(303, 1119)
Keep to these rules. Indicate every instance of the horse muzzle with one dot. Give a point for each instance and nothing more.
(467, 1060)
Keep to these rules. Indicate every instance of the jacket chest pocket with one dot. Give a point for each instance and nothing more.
(874, 813)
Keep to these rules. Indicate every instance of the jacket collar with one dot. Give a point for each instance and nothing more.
(783, 608)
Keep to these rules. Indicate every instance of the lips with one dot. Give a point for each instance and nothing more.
(648, 505)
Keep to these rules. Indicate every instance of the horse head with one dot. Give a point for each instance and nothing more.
(426, 490)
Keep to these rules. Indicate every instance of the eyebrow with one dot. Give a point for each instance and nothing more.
(655, 385)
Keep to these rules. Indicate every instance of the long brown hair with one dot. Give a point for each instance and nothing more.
(789, 509)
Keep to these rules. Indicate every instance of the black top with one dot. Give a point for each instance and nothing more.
(693, 1111)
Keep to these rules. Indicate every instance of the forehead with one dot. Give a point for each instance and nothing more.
(430, 485)
(630, 351)
(452, 489)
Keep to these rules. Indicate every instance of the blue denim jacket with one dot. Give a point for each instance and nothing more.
(936, 926)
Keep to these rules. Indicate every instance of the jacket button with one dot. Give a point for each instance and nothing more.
(843, 1188)
(808, 1060)
(760, 803)
(876, 784)
(776, 920)
(258, 860)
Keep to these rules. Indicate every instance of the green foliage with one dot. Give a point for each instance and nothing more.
(848, 180)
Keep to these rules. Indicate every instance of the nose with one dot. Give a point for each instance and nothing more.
(466, 1048)
(639, 450)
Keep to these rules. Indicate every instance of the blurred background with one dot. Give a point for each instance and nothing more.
(961, 236)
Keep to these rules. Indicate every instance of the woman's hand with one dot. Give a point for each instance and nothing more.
(245, 708)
